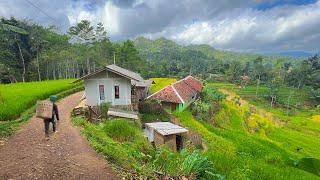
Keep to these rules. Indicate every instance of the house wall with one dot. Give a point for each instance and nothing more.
(182, 107)
(109, 80)
(141, 93)
(149, 133)
(169, 140)
(158, 139)
(168, 106)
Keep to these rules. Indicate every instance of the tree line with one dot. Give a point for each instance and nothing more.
(31, 52)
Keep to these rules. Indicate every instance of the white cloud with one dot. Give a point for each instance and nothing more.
(277, 29)
(76, 16)
(110, 18)
(232, 24)
(107, 13)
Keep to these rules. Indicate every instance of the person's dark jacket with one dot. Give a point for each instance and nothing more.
(55, 112)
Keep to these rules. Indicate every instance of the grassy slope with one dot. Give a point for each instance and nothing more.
(264, 153)
(17, 98)
(123, 147)
(161, 83)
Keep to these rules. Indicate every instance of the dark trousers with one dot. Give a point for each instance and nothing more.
(46, 126)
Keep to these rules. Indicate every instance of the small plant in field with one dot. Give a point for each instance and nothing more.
(196, 165)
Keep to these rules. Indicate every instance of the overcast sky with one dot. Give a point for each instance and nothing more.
(268, 26)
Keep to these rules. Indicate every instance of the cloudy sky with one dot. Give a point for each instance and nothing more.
(268, 26)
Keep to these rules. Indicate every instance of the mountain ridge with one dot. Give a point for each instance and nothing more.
(164, 48)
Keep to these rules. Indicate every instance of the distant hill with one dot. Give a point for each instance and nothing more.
(296, 54)
(165, 49)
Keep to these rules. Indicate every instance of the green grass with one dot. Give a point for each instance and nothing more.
(123, 153)
(123, 144)
(8, 127)
(120, 130)
(161, 83)
(17, 98)
(242, 155)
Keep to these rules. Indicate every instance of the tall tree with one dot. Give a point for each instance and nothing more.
(14, 37)
(258, 70)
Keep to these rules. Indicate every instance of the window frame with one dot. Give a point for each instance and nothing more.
(102, 96)
(117, 92)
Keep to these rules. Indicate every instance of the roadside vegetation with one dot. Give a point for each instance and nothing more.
(123, 144)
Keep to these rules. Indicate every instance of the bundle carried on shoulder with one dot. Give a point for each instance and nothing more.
(44, 109)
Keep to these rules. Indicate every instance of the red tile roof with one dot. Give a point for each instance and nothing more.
(166, 94)
(194, 83)
(180, 91)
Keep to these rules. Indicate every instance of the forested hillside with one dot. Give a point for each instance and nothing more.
(179, 60)
(167, 58)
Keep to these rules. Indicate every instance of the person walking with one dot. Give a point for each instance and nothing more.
(55, 116)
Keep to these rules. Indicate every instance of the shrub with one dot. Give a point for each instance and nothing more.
(202, 110)
(167, 162)
(209, 104)
(195, 164)
(151, 111)
(189, 164)
(211, 94)
(150, 106)
(121, 130)
(78, 121)
(104, 107)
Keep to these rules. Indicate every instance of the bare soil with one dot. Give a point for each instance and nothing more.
(66, 155)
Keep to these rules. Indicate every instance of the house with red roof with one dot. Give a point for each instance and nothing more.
(179, 95)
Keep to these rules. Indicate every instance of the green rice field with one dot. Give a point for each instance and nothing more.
(264, 143)
(17, 98)
(161, 83)
(287, 95)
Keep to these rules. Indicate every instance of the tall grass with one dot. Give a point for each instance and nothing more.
(161, 83)
(17, 98)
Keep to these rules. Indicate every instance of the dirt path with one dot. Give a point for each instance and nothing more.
(67, 155)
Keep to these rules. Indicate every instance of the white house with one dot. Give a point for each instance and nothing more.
(115, 85)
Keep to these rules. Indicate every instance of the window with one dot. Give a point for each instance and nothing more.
(116, 92)
(101, 92)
